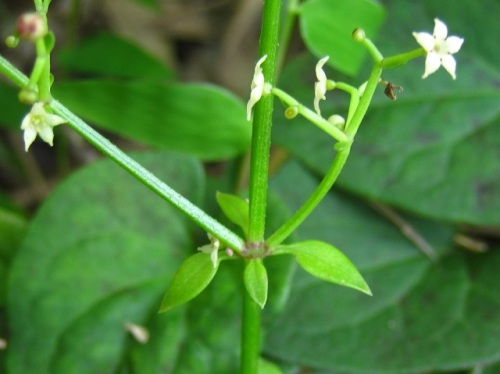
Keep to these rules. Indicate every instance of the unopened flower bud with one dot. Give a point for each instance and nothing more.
(337, 121)
(28, 96)
(12, 41)
(359, 34)
(291, 112)
(31, 26)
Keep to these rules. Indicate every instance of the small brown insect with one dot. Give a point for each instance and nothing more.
(389, 89)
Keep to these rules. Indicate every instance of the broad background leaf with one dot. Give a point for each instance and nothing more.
(116, 57)
(422, 316)
(199, 119)
(88, 265)
(434, 151)
(327, 26)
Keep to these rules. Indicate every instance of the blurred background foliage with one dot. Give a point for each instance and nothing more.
(85, 250)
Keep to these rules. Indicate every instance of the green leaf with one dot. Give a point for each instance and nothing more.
(92, 259)
(235, 208)
(327, 263)
(424, 316)
(266, 367)
(256, 283)
(327, 27)
(200, 119)
(194, 275)
(110, 55)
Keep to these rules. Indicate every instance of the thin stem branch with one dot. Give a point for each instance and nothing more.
(147, 178)
(135, 169)
(300, 215)
(261, 136)
(313, 117)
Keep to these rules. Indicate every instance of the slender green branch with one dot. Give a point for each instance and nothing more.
(403, 58)
(353, 126)
(150, 180)
(313, 117)
(146, 177)
(300, 215)
(353, 104)
(250, 335)
(261, 136)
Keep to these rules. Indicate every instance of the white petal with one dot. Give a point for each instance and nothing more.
(26, 123)
(453, 44)
(320, 74)
(440, 29)
(37, 109)
(53, 119)
(29, 137)
(46, 134)
(425, 40)
(257, 66)
(449, 64)
(432, 63)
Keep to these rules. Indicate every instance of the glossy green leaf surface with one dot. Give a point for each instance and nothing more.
(98, 254)
(434, 150)
(423, 316)
(256, 282)
(327, 263)
(193, 276)
(110, 55)
(199, 119)
(235, 209)
(327, 26)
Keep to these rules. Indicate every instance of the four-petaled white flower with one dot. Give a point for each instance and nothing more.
(320, 86)
(257, 87)
(212, 249)
(439, 47)
(38, 121)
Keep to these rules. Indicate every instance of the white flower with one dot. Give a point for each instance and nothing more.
(257, 87)
(212, 249)
(439, 48)
(321, 85)
(38, 121)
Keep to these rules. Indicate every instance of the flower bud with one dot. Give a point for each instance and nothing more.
(291, 112)
(31, 26)
(28, 96)
(359, 34)
(337, 121)
(12, 41)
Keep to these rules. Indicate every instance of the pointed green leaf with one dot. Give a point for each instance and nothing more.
(194, 275)
(256, 281)
(327, 26)
(235, 208)
(326, 262)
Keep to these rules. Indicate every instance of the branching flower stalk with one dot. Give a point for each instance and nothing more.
(318, 258)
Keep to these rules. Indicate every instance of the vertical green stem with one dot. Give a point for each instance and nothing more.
(250, 335)
(261, 137)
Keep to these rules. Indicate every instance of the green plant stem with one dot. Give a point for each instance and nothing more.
(250, 335)
(313, 117)
(139, 172)
(403, 58)
(300, 215)
(147, 178)
(261, 136)
(353, 126)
